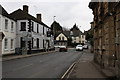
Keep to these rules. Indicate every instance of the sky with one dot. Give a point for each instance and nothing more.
(67, 12)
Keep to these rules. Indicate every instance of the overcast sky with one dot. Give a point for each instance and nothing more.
(67, 12)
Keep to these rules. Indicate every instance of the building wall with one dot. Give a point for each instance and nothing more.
(118, 36)
(10, 35)
(34, 34)
(61, 42)
(61, 35)
(104, 33)
(79, 39)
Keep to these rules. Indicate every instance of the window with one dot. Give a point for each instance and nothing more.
(82, 36)
(6, 24)
(32, 26)
(23, 26)
(82, 41)
(37, 43)
(12, 26)
(62, 38)
(74, 38)
(43, 30)
(37, 28)
(43, 44)
(12, 44)
(6, 44)
(59, 38)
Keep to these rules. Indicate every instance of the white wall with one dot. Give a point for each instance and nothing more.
(8, 35)
(35, 35)
(61, 35)
(79, 39)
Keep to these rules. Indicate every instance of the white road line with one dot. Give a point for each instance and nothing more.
(68, 70)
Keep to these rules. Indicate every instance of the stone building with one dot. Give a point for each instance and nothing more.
(117, 8)
(106, 33)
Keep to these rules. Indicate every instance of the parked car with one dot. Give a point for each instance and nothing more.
(79, 48)
(85, 46)
(62, 48)
(56, 46)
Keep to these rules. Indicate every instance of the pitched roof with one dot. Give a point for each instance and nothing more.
(21, 15)
(4, 12)
(67, 33)
(76, 31)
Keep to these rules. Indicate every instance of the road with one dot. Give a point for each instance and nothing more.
(51, 65)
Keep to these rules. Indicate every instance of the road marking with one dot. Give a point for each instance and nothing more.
(68, 70)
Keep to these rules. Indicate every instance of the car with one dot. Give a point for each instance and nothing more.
(62, 48)
(56, 46)
(79, 48)
(85, 46)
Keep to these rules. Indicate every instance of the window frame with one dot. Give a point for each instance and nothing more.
(6, 24)
(12, 26)
(23, 28)
(12, 44)
(5, 45)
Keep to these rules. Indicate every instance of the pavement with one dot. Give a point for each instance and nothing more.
(15, 56)
(87, 68)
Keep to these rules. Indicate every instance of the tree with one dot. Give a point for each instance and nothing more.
(56, 28)
(69, 41)
(89, 37)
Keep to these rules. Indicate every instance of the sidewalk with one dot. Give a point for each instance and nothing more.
(86, 68)
(11, 57)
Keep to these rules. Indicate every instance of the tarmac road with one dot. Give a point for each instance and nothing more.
(51, 65)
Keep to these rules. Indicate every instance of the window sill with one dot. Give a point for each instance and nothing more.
(12, 50)
(5, 49)
(6, 30)
(22, 30)
(12, 32)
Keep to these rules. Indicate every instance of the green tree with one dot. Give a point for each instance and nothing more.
(89, 37)
(69, 41)
(56, 28)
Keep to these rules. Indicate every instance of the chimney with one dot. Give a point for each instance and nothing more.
(25, 8)
(39, 17)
